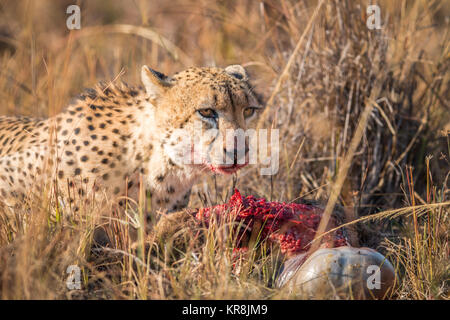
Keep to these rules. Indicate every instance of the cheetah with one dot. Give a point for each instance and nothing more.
(115, 139)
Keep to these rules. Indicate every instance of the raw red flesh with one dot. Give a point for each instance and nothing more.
(292, 225)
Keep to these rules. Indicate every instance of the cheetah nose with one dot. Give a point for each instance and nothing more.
(238, 154)
(230, 155)
(235, 153)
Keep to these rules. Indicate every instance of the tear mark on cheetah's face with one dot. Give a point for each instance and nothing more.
(198, 113)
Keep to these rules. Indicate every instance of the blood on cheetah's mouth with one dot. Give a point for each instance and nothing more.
(227, 169)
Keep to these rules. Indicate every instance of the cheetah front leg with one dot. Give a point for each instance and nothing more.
(182, 203)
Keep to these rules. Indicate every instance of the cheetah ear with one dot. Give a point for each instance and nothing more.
(155, 82)
(237, 71)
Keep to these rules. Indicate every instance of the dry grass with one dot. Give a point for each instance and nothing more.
(318, 74)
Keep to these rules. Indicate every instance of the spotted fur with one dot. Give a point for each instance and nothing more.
(114, 136)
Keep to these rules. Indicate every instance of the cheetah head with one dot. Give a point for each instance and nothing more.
(204, 116)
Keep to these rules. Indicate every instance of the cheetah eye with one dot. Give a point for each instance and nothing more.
(248, 112)
(208, 113)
